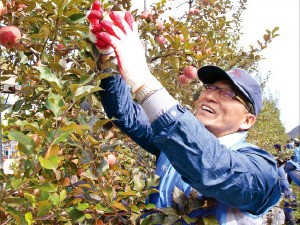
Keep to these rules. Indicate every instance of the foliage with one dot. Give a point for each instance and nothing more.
(65, 178)
(268, 130)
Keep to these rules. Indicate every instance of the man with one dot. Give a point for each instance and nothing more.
(292, 166)
(296, 150)
(206, 151)
(288, 197)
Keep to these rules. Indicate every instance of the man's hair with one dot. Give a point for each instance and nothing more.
(277, 146)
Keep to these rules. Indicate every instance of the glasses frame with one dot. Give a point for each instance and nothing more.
(228, 95)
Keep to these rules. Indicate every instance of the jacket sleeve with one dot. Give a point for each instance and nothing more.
(246, 179)
(125, 113)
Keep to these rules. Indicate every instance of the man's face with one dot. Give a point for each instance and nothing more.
(222, 116)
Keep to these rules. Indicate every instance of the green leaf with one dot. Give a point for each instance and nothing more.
(83, 206)
(62, 195)
(153, 181)
(62, 136)
(168, 211)
(74, 213)
(188, 219)
(51, 163)
(211, 220)
(4, 107)
(157, 218)
(25, 143)
(139, 183)
(31, 198)
(90, 175)
(54, 198)
(47, 187)
(77, 18)
(150, 206)
(44, 209)
(14, 201)
(47, 75)
(171, 219)
(16, 182)
(84, 91)
(17, 216)
(54, 102)
(179, 197)
(17, 106)
(29, 218)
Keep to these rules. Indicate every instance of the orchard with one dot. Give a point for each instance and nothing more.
(75, 166)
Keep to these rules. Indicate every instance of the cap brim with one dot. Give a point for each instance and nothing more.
(211, 74)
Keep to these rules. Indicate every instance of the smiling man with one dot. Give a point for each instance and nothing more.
(206, 152)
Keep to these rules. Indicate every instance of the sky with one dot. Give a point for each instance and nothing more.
(281, 56)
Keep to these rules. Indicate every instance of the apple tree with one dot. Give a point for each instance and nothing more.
(75, 166)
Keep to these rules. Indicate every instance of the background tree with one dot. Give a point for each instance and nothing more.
(268, 130)
(75, 166)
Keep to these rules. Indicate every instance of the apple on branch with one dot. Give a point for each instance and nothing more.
(160, 39)
(182, 80)
(190, 72)
(10, 36)
(111, 160)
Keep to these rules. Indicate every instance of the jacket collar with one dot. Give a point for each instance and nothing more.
(232, 139)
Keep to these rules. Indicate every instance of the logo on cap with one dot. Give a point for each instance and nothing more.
(236, 72)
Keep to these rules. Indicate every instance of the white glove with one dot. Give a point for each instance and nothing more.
(121, 33)
(95, 15)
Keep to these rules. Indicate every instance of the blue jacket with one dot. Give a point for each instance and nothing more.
(243, 179)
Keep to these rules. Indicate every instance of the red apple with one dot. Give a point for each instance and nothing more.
(160, 39)
(159, 24)
(145, 15)
(191, 11)
(111, 159)
(9, 36)
(190, 72)
(205, 2)
(196, 11)
(21, 7)
(61, 49)
(182, 80)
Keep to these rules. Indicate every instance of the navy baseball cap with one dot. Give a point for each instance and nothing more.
(240, 78)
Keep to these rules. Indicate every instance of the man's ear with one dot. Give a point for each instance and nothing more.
(248, 122)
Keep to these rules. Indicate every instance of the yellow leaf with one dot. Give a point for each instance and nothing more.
(52, 151)
(73, 126)
(120, 206)
(92, 140)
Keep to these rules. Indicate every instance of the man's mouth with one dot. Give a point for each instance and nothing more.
(208, 109)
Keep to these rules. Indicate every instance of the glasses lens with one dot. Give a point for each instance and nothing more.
(222, 92)
(210, 87)
(227, 94)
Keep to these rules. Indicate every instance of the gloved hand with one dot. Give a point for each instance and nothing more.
(95, 15)
(120, 31)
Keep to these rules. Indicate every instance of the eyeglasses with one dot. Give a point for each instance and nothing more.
(225, 94)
